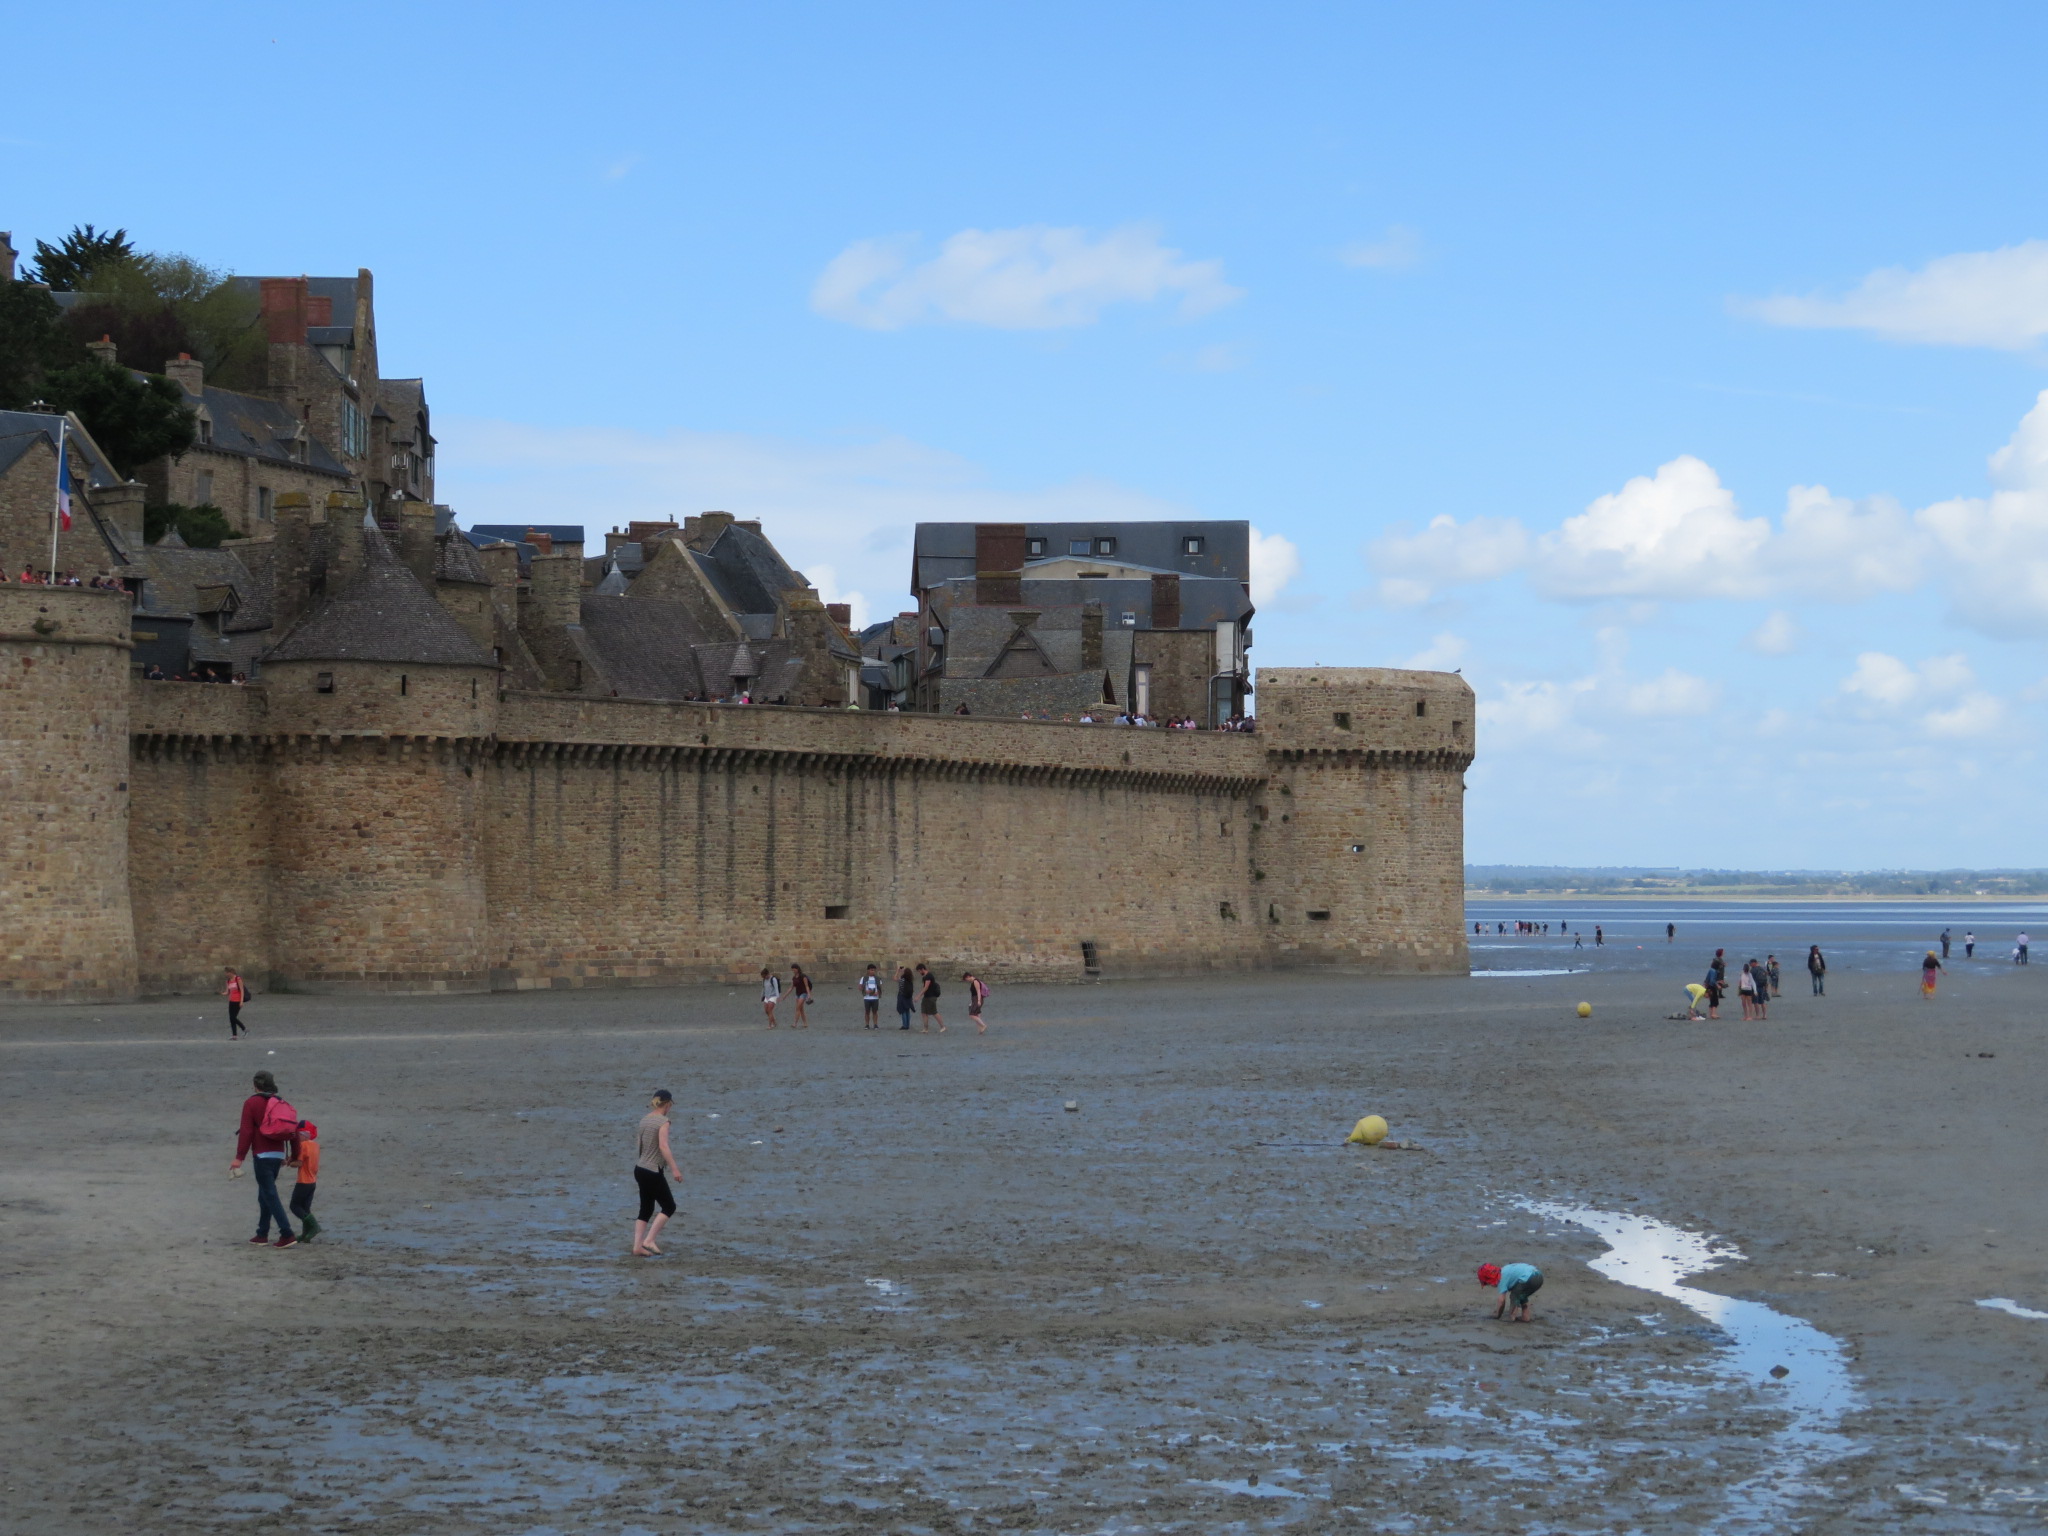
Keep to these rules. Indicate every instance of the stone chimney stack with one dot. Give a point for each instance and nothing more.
(104, 352)
(1091, 635)
(555, 592)
(416, 539)
(501, 564)
(188, 371)
(292, 562)
(344, 537)
(702, 531)
(7, 255)
(121, 506)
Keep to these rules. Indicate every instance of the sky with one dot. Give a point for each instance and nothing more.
(1674, 372)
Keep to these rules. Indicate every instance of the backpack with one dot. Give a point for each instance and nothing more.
(280, 1121)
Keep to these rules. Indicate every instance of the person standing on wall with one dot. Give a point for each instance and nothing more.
(268, 1152)
(1817, 968)
(236, 991)
(906, 994)
(652, 1155)
(871, 999)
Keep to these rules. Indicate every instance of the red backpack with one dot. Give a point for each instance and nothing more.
(280, 1121)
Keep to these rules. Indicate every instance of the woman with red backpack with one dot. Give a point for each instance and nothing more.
(269, 1126)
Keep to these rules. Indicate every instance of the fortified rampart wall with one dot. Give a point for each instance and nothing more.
(413, 829)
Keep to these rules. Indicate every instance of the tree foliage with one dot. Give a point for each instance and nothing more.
(133, 420)
(33, 342)
(71, 264)
(156, 306)
(202, 527)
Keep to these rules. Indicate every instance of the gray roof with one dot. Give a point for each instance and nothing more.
(946, 550)
(456, 560)
(381, 614)
(181, 580)
(515, 533)
(1205, 602)
(745, 570)
(652, 648)
(260, 428)
(612, 584)
(20, 429)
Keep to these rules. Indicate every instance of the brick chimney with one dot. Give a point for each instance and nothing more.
(188, 371)
(104, 351)
(319, 309)
(285, 306)
(543, 543)
(841, 614)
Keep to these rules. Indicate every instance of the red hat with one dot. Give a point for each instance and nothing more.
(308, 1131)
(1489, 1274)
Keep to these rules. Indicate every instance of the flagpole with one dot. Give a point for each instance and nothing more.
(57, 503)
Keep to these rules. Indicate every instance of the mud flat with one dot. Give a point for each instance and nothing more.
(910, 1292)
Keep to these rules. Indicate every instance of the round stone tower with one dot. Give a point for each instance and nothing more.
(66, 932)
(381, 709)
(1362, 842)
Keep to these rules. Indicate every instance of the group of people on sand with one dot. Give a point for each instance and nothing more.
(271, 1139)
(1757, 982)
(917, 991)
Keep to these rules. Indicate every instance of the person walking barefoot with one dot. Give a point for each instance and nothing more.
(652, 1156)
(977, 994)
(771, 994)
(800, 989)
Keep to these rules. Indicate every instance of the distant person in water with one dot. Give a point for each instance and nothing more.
(1930, 972)
(1516, 1284)
(1969, 945)
(2020, 958)
(1817, 968)
(1599, 936)
(1944, 943)
(1670, 932)
(1776, 976)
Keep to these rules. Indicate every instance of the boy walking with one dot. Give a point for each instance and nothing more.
(1516, 1284)
(237, 993)
(871, 999)
(306, 1158)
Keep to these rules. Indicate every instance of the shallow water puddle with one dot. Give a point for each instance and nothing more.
(1568, 971)
(2007, 1304)
(1803, 1370)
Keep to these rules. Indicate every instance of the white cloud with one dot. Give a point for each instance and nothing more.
(1975, 714)
(1400, 246)
(1675, 534)
(1996, 546)
(1887, 681)
(840, 513)
(1275, 562)
(1446, 553)
(1033, 278)
(1443, 653)
(1778, 635)
(1973, 299)
(1843, 548)
(1672, 696)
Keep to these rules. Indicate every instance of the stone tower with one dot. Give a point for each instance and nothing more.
(380, 709)
(1360, 855)
(66, 932)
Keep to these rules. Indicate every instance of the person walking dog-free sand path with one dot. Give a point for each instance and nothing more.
(651, 1156)
(236, 991)
(268, 1149)
(771, 994)
(906, 994)
(306, 1158)
(928, 999)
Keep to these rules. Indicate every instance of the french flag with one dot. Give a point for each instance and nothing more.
(63, 482)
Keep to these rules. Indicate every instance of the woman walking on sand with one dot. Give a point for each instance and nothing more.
(771, 994)
(800, 989)
(928, 999)
(906, 994)
(1930, 969)
(652, 1154)
(977, 994)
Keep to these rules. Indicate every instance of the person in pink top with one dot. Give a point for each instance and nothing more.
(236, 991)
(269, 1154)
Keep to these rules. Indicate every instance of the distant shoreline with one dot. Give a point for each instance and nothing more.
(1939, 898)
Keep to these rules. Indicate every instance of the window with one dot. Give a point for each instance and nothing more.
(1341, 719)
(355, 429)
(263, 502)
(1105, 546)
(1421, 708)
(1033, 548)
(1080, 546)
(206, 429)
(1457, 728)
(833, 913)
(1141, 689)
(404, 685)
(1319, 914)
(203, 488)
(1192, 545)
(323, 682)
(1128, 619)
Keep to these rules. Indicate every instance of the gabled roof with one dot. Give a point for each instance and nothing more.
(746, 570)
(456, 560)
(20, 429)
(257, 427)
(381, 614)
(182, 580)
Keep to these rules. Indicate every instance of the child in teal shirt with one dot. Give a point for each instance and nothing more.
(1516, 1284)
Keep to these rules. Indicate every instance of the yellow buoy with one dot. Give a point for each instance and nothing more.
(1369, 1132)
(1585, 1010)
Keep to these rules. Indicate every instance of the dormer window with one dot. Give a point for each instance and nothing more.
(1080, 546)
(1192, 545)
(1105, 546)
(1033, 548)
(205, 428)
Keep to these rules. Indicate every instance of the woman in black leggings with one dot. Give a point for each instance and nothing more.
(654, 1155)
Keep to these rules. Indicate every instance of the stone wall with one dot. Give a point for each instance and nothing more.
(28, 498)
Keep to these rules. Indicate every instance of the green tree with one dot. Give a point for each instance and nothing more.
(156, 306)
(81, 255)
(33, 341)
(202, 527)
(133, 420)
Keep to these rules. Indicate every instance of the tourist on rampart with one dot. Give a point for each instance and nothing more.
(771, 994)
(928, 998)
(237, 993)
(871, 999)
(800, 991)
(1817, 968)
(268, 1153)
(906, 994)
(652, 1155)
(977, 994)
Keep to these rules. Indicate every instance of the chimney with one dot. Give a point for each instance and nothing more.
(840, 614)
(543, 543)
(7, 255)
(319, 310)
(104, 352)
(1166, 602)
(702, 531)
(1091, 635)
(188, 371)
(555, 591)
(344, 537)
(416, 548)
(501, 564)
(998, 564)
(292, 562)
(284, 309)
(121, 506)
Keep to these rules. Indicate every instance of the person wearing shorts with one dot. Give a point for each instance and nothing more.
(1516, 1284)
(652, 1154)
(871, 999)
(771, 994)
(928, 999)
(977, 994)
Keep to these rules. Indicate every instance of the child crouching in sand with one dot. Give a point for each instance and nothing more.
(1516, 1284)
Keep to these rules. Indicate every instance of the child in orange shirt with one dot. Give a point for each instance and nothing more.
(306, 1158)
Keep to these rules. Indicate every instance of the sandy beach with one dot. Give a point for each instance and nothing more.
(909, 1291)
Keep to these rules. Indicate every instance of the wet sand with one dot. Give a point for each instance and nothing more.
(909, 1292)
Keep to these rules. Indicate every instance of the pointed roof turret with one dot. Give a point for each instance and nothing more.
(381, 614)
(614, 583)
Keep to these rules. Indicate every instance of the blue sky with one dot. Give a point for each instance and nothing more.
(1512, 329)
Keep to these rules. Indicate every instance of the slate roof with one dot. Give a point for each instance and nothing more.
(456, 560)
(259, 428)
(20, 429)
(381, 614)
(181, 580)
(745, 570)
(649, 649)
(515, 533)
